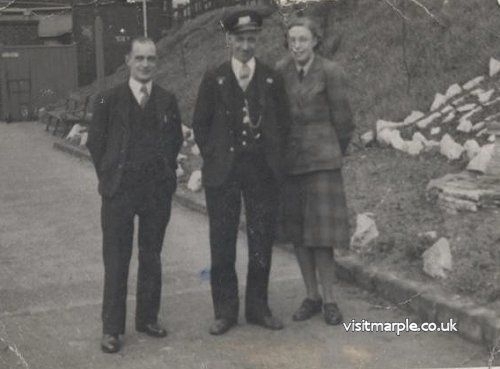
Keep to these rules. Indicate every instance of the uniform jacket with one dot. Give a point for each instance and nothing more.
(109, 134)
(218, 112)
(322, 119)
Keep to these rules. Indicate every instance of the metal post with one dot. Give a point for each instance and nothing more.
(145, 17)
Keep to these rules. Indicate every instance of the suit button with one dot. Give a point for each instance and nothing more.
(244, 143)
(244, 133)
(231, 149)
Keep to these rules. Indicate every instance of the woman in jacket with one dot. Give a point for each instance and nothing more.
(315, 206)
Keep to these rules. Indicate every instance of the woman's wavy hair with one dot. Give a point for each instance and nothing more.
(307, 22)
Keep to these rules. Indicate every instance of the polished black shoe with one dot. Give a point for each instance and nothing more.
(266, 321)
(110, 343)
(153, 330)
(307, 309)
(221, 326)
(332, 314)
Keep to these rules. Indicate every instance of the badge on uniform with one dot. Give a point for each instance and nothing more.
(269, 80)
(165, 118)
(220, 80)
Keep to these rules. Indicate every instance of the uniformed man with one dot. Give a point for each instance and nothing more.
(240, 123)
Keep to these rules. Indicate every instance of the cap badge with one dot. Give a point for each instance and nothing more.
(244, 20)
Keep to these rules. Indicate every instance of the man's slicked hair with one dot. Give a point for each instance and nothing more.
(140, 40)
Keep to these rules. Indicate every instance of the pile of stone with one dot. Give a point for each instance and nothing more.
(455, 125)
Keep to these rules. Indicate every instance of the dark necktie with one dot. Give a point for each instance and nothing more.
(301, 74)
(144, 96)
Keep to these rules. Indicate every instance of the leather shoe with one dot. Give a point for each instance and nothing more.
(153, 330)
(266, 321)
(110, 343)
(221, 326)
(307, 309)
(332, 314)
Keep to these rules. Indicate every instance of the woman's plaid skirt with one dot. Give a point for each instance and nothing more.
(315, 210)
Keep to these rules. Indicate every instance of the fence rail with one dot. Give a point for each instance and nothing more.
(194, 8)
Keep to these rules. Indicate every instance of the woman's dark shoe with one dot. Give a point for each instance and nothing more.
(110, 343)
(307, 309)
(332, 314)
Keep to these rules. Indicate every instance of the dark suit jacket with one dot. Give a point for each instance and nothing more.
(322, 119)
(109, 134)
(218, 112)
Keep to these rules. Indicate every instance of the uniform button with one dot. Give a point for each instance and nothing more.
(244, 143)
(231, 149)
(244, 133)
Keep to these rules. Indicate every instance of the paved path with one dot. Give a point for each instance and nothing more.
(51, 285)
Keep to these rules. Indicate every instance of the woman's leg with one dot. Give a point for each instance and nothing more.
(323, 258)
(305, 257)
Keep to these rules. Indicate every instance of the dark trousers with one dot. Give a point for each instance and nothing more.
(251, 178)
(151, 202)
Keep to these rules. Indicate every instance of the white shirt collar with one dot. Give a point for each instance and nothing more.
(236, 66)
(305, 67)
(136, 86)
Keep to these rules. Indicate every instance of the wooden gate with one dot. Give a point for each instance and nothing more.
(33, 76)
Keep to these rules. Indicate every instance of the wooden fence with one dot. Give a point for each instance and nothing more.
(194, 8)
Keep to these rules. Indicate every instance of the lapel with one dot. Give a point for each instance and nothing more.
(123, 104)
(226, 82)
(262, 80)
(314, 77)
(160, 100)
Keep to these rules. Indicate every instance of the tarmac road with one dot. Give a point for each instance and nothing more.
(51, 285)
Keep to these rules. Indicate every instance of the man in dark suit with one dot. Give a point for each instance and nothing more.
(134, 139)
(240, 122)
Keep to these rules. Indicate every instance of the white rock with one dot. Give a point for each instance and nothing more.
(414, 147)
(413, 117)
(195, 150)
(449, 148)
(466, 107)
(492, 117)
(432, 144)
(84, 138)
(449, 117)
(472, 148)
(473, 83)
(447, 109)
(179, 171)
(476, 92)
(382, 124)
(426, 121)
(181, 158)
(417, 136)
(482, 132)
(464, 126)
(478, 126)
(494, 101)
(75, 131)
(494, 66)
(485, 96)
(439, 100)
(491, 138)
(187, 133)
(435, 130)
(453, 90)
(366, 232)
(194, 183)
(481, 160)
(458, 101)
(385, 136)
(430, 235)
(397, 142)
(367, 137)
(437, 259)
